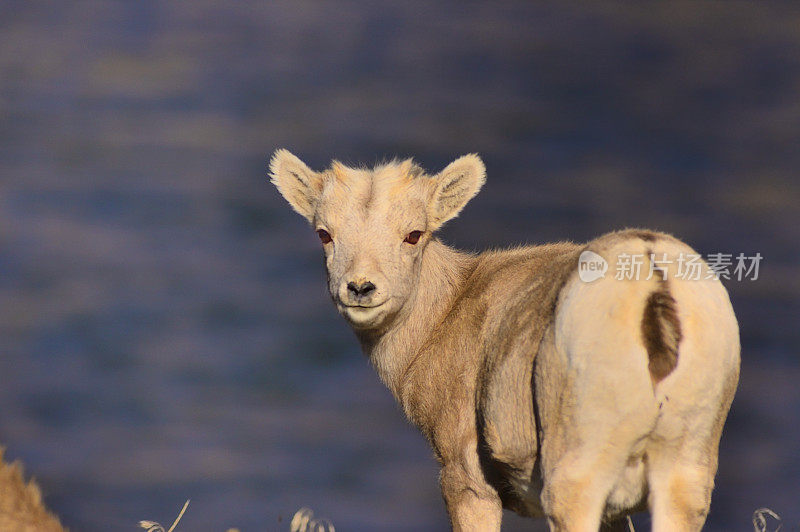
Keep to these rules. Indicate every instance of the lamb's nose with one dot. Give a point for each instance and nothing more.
(362, 289)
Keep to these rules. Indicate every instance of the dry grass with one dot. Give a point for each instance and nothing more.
(153, 526)
(760, 520)
(302, 521)
(21, 506)
(22, 509)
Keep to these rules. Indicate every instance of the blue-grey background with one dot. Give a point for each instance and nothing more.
(165, 333)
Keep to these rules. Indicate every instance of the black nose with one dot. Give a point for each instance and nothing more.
(362, 289)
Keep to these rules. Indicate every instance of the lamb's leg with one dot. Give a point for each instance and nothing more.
(472, 504)
(682, 460)
(573, 498)
(681, 477)
(580, 476)
(680, 499)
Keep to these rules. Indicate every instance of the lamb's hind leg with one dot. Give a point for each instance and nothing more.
(680, 494)
(585, 462)
(576, 491)
(682, 458)
(680, 473)
(587, 456)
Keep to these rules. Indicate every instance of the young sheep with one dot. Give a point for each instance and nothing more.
(581, 401)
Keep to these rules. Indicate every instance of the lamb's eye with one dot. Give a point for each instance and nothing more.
(413, 237)
(324, 236)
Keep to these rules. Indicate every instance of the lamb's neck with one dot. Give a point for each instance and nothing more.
(443, 273)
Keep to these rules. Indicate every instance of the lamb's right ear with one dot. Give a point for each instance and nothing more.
(299, 184)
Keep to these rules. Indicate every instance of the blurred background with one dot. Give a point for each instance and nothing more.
(165, 331)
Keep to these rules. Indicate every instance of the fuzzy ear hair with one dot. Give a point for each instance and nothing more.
(300, 185)
(454, 187)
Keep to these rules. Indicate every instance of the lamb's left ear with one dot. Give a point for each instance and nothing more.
(454, 187)
(299, 184)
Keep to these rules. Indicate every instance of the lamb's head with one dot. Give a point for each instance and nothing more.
(374, 225)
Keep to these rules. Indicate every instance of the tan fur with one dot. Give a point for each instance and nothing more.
(21, 505)
(540, 393)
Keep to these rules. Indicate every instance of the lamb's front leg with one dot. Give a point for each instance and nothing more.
(473, 504)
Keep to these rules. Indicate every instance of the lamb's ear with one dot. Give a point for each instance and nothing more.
(454, 187)
(299, 184)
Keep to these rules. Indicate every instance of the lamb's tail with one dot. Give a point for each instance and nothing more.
(661, 332)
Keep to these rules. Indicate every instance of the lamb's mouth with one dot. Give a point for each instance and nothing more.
(362, 315)
(365, 307)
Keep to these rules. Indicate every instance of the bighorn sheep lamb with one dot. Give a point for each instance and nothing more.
(577, 398)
